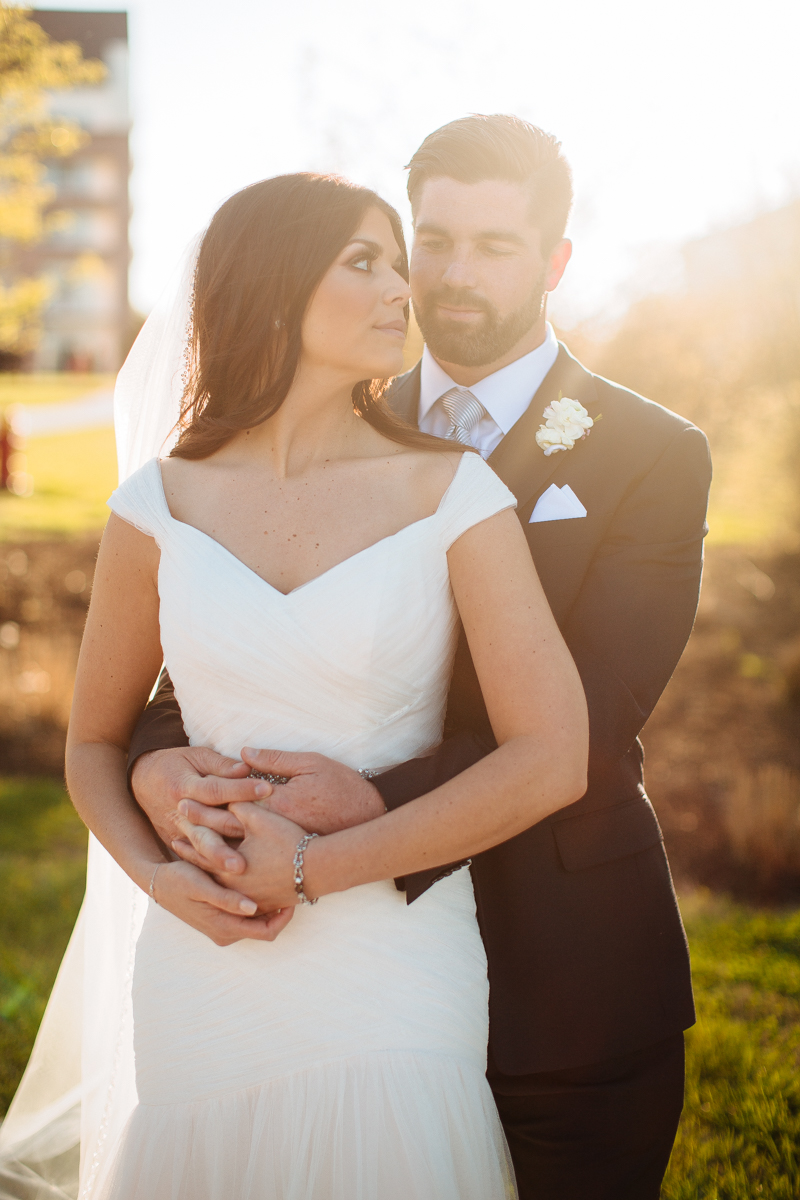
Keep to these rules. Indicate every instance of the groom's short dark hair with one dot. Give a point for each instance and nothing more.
(479, 147)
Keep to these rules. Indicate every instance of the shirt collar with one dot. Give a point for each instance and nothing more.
(505, 394)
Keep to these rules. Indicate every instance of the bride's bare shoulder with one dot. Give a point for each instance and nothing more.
(432, 472)
(185, 472)
(181, 478)
(173, 476)
(175, 469)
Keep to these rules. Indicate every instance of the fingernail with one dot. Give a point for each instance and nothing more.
(248, 906)
(183, 807)
(248, 750)
(263, 789)
(231, 864)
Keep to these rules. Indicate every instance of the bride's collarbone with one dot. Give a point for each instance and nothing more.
(291, 531)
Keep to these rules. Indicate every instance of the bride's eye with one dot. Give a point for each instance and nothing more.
(364, 263)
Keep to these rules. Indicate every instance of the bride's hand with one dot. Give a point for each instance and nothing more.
(268, 849)
(222, 914)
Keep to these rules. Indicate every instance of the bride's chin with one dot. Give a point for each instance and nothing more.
(384, 368)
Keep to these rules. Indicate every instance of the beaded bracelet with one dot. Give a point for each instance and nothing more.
(269, 777)
(364, 772)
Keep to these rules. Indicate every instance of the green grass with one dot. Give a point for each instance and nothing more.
(42, 877)
(740, 1135)
(73, 476)
(73, 473)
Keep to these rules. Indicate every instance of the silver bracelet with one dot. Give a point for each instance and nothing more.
(297, 863)
(150, 890)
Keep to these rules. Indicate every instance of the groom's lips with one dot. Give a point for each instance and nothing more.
(460, 314)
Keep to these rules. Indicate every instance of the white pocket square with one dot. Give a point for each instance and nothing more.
(557, 504)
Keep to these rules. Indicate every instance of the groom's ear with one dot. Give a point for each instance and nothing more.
(557, 264)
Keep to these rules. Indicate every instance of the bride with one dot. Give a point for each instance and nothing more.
(300, 561)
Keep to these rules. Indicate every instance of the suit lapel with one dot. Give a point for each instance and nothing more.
(520, 463)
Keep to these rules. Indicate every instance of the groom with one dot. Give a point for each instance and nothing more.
(588, 965)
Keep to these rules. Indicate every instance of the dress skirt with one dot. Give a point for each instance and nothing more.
(344, 1061)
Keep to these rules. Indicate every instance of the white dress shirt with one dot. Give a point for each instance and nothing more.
(505, 394)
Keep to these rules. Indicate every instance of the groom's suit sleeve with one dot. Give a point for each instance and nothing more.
(160, 727)
(626, 630)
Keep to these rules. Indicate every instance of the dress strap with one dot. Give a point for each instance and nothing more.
(140, 501)
(475, 494)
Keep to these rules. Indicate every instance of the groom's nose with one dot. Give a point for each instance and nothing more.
(460, 271)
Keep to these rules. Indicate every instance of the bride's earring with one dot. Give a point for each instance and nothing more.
(278, 323)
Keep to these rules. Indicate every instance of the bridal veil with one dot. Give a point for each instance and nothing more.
(79, 1088)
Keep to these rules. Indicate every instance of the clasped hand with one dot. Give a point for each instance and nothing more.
(267, 850)
(199, 802)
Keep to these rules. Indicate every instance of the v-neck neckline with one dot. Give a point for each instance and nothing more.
(323, 574)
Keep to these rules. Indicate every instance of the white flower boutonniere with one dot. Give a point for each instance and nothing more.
(565, 423)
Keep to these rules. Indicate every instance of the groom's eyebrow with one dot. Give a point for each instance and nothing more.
(428, 227)
(483, 235)
(499, 235)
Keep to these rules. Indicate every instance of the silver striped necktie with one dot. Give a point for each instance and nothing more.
(464, 411)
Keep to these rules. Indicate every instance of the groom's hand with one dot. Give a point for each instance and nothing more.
(322, 796)
(162, 779)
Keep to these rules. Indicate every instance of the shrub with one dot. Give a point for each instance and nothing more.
(761, 814)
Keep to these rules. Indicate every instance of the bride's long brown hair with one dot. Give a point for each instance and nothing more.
(260, 262)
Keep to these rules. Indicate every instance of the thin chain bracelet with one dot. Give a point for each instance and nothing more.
(150, 890)
(297, 863)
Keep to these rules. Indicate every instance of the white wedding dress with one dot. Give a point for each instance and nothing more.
(346, 1060)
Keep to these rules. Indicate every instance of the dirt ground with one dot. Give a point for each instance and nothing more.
(732, 707)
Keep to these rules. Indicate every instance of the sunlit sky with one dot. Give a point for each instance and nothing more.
(678, 118)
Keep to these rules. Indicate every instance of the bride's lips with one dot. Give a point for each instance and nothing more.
(394, 328)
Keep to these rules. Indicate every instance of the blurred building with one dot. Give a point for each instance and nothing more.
(87, 320)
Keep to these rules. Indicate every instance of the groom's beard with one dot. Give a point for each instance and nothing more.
(484, 342)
